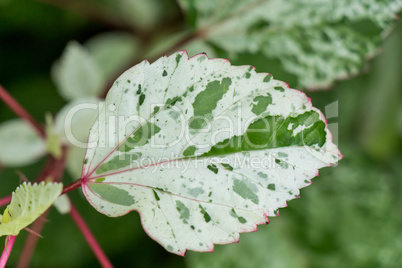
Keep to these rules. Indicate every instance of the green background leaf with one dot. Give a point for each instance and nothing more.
(317, 41)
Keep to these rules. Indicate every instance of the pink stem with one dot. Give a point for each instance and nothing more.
(7, 250)
(103, 260)
(5, 200)
(17, 108)
(76, 184)
(32, 240)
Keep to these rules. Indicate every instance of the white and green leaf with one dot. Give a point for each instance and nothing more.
(84, 70)
(318, 41)
(19, 144)
(202, 150)
(112, 52)
(77, 74)
(28, 202)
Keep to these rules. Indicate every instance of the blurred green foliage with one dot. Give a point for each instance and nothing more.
(351, 215)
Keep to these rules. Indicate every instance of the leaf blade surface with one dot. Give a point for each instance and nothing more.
(183, 152)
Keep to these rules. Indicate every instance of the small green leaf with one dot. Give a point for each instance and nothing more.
(28, 202)
(52, 139)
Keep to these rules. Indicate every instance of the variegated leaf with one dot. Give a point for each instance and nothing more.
(318, 41)
(202, 150)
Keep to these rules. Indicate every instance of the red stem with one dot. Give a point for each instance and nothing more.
(72, 186)
(18, 110)
(54, 169)
(5, 201)
(103, 260)
(31, 241)
(7, 250)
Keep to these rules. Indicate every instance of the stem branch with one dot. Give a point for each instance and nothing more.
(18, 110)
(7, 250)
(103, 260)
(5, 200)
(72, 186)
(32, 240)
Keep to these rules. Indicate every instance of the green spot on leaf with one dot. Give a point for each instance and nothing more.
(271, 186)
(267, 78)
(227, 166)
(156, 195)
(183, 210)
(178, 58)
(112, 194)
(207, 218)
(246, 190)
(206, 101)
(242, 220)
(234, 215)
(213, 168)
(118, 162)
(100, 180)
(140, 137)
(171, 102)
(156, 109)
(262, 104)
(196, 191)
(189, 151)
(281, 154)
(142, 99)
